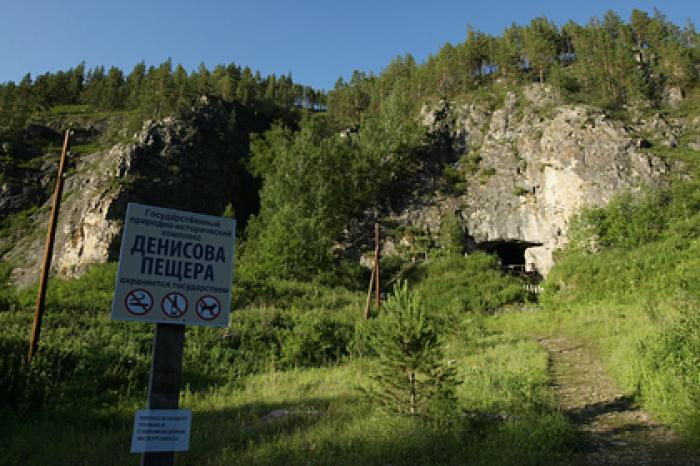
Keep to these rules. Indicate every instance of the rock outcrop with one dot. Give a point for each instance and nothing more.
(538, 163)
(525, 169)
(172, 163)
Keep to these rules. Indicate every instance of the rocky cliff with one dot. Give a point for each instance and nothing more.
(192, 164)
(522, 170)
(528, 166)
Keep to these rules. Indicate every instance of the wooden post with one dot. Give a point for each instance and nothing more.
(377, 262)
(164, 382)
(369, 293)
(48, 252)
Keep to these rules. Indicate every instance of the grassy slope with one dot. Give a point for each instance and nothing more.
(636, 299)
(293, 346)
(93, 373)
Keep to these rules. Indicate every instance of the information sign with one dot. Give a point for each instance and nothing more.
(174, 267)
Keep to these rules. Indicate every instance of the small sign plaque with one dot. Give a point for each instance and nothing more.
(161, 430)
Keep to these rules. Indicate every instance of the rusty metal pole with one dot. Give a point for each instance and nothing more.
(369, 293)
(48, 252)
(377, 261)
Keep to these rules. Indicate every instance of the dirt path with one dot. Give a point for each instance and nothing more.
(613, 429)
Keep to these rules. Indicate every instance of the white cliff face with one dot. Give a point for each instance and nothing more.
(85, 230)
(539, 165)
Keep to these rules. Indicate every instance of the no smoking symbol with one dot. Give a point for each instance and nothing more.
(208, 307)
(138, 302)
(174, 305)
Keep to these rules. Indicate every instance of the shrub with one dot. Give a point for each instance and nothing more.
(452, 238)
(317, 338)
(628, 221)
(409, 376)
(468, 284)
(669, 377)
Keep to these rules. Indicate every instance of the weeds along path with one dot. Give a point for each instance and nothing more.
(612, 428)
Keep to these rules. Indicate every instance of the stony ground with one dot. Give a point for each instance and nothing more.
(613, 429)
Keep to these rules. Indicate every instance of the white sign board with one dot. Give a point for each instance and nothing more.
(175, 267)
(161, 430)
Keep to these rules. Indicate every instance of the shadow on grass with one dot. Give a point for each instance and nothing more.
(348, 431)
(342, 430)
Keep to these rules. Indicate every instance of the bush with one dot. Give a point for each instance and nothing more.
(628, 221)
(22, 386)
(669, 381)
(468, 284)
(316, 338)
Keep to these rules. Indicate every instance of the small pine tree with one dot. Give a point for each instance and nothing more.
(410, 376)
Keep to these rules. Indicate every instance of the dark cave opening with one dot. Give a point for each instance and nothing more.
(510, 253)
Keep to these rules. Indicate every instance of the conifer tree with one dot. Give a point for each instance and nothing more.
(114, 90)
(134, 83)
(181, 87)
(410, 376)
(541, 43)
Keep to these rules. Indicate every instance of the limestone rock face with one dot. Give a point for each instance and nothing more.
(171, 163)
(459, 127)
(539, 164)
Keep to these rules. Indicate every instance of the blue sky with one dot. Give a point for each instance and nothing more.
(317, 41)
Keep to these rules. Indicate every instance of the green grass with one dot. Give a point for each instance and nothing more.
(325, 421)
(292, 346)
(69, 110)
(81, 149)
(14, 223)
(79, 110)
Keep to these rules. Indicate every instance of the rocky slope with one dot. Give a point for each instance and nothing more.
(523, 170)
(529, 166)
(192, 164)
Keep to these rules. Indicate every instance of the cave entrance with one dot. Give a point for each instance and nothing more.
(510, 253)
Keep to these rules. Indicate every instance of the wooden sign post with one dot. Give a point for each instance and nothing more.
(377, 263)
(48, 252)
(164, 382)
(175, 269)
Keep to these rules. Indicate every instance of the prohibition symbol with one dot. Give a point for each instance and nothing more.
(174, 304)
(138, 302)
(208, 307)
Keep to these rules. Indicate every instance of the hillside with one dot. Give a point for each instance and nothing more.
(538, 198)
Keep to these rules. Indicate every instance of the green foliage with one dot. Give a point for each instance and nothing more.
(669, 374)
(410, 376)
(147, 92)
(316, 180)
(628, 221)
(520, 191)
(629, 281)
(304, 199)
(610, 63)
(91, 374)
(229, 211)
(87, 360)
(452, 238)
(541, 44)
(317, 338)
(461, 284)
